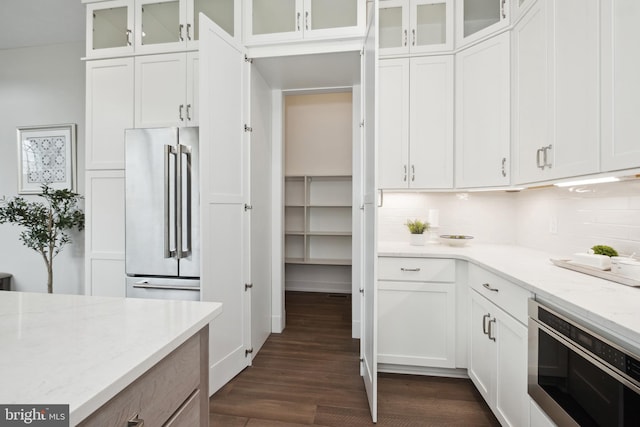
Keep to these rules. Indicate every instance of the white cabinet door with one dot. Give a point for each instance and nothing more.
(161, 90)
(109, 111)
(556, 84)
(415, 26)
(620, 148)
(431, 122)
(224, 158)
(512, 400)
(483, 114)
(482, 351)
(476, 19)
(530, 94)
(110, 28)
(417, 324)
(393, 127)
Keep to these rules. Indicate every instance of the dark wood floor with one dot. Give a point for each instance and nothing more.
(308, 375)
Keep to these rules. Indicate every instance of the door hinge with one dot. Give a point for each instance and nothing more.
(247, 59)
(247, 207)
(362, 360)
(248, 352)
(248, 286)
(362, 291)
(248, 128)
(362, 124)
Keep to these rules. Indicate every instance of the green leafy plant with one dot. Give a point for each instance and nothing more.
(604, 250)
(416, 226)
(46, 223)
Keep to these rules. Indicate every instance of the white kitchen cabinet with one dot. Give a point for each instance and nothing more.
(477, 19)
(555, 91)
(620, 148)
(415, 26)
(483, 114)
(273, 21)
(497, 362)
(416, 122)
(166, 90)
(172, 25)
(318, 216)
(109, 111)
(109, 28)
(417, 312)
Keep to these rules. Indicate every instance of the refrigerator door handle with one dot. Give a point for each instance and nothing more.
(168, 151)
(145, 284)
(186, 231)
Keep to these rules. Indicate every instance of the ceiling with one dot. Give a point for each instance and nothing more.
(25, 23)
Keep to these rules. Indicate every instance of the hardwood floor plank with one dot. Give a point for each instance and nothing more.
(309, 375)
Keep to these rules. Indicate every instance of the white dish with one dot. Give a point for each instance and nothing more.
(455, 239)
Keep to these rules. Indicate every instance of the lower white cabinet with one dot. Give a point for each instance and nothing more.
(498, 352)
(417, 312)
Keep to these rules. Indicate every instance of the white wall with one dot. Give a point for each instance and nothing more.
(598, 214)
(40, 86)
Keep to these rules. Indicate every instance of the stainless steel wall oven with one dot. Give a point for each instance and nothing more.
(578, 377)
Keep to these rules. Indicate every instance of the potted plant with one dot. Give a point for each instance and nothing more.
(417, 229)
(46, 223)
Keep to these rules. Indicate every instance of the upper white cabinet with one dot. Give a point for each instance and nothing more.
(555, 90)
(272, 21)
(476, 19)
(620, 147)
(415, 26)
(416, 122)
(166, 90)
(125, 27)
(483, 114)
(110, 28)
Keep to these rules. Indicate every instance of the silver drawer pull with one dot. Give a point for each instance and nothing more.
(135, 422)
(484, 323)
(488, 286)
(490, 329)
(145, 284)
(409, 269)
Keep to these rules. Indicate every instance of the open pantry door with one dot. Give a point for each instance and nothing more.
(224, 84)
(369, 292)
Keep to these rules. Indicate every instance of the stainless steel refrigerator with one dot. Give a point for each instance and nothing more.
(162, 213)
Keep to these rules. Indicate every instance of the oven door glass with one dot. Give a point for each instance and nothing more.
(587, 393)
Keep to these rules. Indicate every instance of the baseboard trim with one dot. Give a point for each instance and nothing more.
(330, 287)
(420, 370)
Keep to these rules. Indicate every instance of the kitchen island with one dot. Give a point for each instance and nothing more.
(85, 351)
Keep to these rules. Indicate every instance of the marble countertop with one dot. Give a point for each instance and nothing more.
(609, 305)
(83, 350)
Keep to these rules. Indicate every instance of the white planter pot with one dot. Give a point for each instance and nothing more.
(417, 239)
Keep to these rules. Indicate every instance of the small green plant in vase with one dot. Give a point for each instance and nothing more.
(417, 229)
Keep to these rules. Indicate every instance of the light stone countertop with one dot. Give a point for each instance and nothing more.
(611, 306)
(83, 350)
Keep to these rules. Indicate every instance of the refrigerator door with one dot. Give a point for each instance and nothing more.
(189, 214)
(150, 208)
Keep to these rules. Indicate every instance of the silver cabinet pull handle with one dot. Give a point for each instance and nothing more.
(298, 21)
(490, 329)
(484, 324)
(128, 37)
(189, 112)
(135, 421)
(413, 173)
(538, 159)
(488, 286)
(180, 108)
(545, 159)
(306, 20)
(504, 167)
(502, 9)
(405, 37)
(409, 269)
(188, 31)
(180, 28)
(405, 174)
(413, 37)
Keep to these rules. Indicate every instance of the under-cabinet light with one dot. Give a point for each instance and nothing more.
(587, 181)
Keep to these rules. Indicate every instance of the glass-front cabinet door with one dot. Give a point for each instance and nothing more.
(415, 26)
(268, 21)
(225, 13)
(160, 26)
(477, 19)
(110, 28)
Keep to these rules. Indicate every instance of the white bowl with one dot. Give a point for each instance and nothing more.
(455, 239)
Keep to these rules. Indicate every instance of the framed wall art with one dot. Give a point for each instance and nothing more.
(46, 155)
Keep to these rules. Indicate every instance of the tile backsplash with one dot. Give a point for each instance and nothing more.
(559, 220)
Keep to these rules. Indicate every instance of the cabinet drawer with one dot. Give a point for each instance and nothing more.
(417, 269)
(506, 295)
(158, 393)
